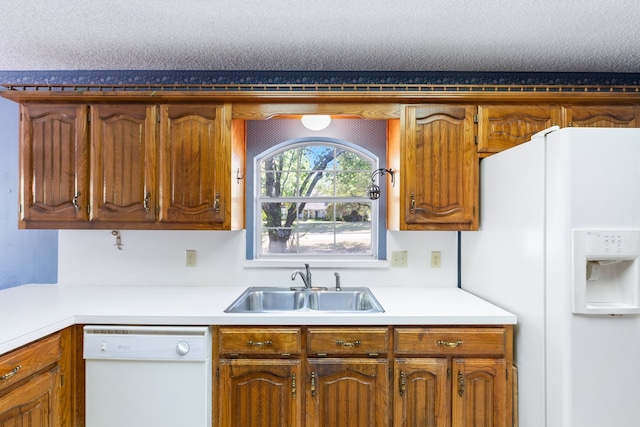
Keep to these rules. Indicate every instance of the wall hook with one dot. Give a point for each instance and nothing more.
(238, 177)
(118, 243)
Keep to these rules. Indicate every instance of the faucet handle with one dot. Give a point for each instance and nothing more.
(338, 288)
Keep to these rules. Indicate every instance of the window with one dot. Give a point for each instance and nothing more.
(311, 201)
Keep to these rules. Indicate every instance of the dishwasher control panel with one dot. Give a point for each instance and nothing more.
(147, 342)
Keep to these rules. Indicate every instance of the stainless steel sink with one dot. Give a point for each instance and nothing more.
(259, 299)
(350, 300)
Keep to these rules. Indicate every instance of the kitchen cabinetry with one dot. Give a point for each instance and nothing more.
(365, 376)
(54, 162)
(623, 116)
(505, 126)
(123, 163)
(439, 168)
(352, 389)
(32, 393)
(259, 377)
(195, 164)
(452, 377)
(138, 166)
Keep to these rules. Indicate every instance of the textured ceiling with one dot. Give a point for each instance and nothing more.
(347, 35)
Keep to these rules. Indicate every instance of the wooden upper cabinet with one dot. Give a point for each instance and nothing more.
(53, 164)
(195, 164)
(123, 163)
(505, 126)
(439, 169)
(621, 116)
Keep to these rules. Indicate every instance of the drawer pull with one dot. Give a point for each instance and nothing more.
(348, 343)
(449, 343)
(10, 373)
(260, 344)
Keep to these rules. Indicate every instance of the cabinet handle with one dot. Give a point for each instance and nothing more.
(146, 202)
(216, 203)
(293, 386)
(75, 201)
(460, 383)
(403, 383)
(449, 343)
(313, 384)
(348, 343)
(259, 343)
(10, 373)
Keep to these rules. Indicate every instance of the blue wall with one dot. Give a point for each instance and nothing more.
(26, 256)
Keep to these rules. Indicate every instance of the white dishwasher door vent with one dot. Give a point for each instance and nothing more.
(139, 376)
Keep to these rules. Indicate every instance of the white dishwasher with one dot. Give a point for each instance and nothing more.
(139, 376)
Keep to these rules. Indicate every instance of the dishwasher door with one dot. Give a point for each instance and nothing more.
(147, 376)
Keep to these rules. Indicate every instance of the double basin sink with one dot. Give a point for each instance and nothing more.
(260, 299)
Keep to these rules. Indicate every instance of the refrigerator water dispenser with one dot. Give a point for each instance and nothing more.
(606, 271)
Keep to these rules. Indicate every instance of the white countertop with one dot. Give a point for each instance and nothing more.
(30, 312)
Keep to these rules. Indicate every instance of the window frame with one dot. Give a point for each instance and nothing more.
(257, 207)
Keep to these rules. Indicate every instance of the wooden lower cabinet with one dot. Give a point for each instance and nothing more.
(38, 383)
(260, 393)
(33, 404)
(479, 397)
(359, 376)
(422, 392)
(347, 393)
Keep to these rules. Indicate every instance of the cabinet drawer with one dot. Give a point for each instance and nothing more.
(256, 341)
(348, 340)
(23, 362)
(455, 341)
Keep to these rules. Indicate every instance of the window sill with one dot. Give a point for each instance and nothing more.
(315, 263)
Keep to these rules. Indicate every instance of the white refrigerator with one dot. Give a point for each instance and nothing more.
(558, 246)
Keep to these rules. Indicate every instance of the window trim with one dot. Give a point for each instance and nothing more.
(301, 142)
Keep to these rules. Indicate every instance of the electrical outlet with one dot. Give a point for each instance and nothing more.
(399, 259)
(190, 258)
(436, 259)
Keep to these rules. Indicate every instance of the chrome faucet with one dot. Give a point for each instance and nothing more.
(306, 278)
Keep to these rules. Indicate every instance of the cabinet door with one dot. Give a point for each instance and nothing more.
(54, 165)
(505, 126)
(260, 393)
(480, 393)
(440, 171)
(622, 116)
(123, 163)
(33, 404)
(347, 393)
(421, 392)
(195, 164)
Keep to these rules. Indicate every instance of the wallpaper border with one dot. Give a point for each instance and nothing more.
(243, 78)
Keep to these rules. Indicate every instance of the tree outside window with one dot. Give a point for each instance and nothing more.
(313, 201)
